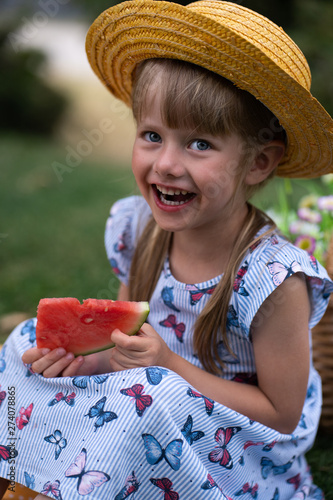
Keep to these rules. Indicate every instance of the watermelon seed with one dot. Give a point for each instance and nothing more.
(88, 320)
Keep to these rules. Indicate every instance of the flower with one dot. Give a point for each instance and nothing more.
(311, 226)
(325, 203)
(307, 243)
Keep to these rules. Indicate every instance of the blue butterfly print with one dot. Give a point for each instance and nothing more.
(29, 480)
(30, 328)
(155, 453)
(131, 486)
(232, 318)
(116, 269)
(155, 374)
(302, 422)
(2, 359)
(267, 466)
(82, 380)
(225, 355)
(59, 442)
(97, 411)
(190, 435)
(167, 297)
(276, 495)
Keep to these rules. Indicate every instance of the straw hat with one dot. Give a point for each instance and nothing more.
(228, 39)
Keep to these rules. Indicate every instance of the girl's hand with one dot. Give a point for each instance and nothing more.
(59, 363)
(146, 348)
(54, 363)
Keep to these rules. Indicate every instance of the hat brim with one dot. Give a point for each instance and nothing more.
(133, 31)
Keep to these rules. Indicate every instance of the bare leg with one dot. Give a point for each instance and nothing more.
(41, 497)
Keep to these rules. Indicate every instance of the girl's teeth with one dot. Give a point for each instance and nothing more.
(166, 195)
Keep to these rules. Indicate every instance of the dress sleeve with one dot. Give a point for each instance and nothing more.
(128, 217)
(265, 269)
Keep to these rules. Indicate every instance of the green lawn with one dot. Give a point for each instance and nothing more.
(51, 238)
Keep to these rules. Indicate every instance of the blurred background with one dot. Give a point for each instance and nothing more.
(65, 148)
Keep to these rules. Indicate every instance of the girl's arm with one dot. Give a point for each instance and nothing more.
(60, 363)
(282, 356)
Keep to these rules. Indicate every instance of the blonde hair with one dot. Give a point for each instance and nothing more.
(193, 97)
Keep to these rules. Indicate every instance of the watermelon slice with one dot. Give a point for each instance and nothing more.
(86, 328)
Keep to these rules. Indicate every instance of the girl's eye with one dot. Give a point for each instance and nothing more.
(200, 145)
(152, 137)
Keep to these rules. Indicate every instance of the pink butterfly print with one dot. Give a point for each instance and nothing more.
(209, 483)
(196, 293)
(142, 401)
(171, 322)
(23, 417)
(69, 399)
(252, 443)
(209, 403)
(87, 480)
(274, 239)
(131, 486)
(239, 277)
(314, 263)
(2, 396)
(252, 490)
(165, 484)
(280, 272)
(295, 481)
(6, 453)
(52, 488)
(255, 245)
(220, 453)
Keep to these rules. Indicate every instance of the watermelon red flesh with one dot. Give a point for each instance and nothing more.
(86, 328)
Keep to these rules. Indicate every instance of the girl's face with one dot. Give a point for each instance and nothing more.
(188, 178)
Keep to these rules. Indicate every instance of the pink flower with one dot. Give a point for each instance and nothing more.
(307, 243)
(326, 203)
(305, 213)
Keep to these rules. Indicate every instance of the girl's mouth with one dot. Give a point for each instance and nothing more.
(172, 197)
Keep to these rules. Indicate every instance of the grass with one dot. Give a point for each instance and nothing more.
(51, 238)
(51, 232)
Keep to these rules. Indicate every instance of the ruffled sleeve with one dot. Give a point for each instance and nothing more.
(264, 270)
(128, 218)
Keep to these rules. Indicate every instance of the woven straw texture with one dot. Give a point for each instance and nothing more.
(322, 336)
(227, 39)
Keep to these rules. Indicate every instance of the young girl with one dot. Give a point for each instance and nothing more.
(217, 396)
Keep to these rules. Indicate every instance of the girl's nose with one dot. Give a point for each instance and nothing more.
(169, 162)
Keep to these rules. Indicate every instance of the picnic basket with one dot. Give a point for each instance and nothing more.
(322, 338)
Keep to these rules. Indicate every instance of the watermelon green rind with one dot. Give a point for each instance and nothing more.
(86, 328)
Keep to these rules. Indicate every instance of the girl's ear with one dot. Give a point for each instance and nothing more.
(265, 162)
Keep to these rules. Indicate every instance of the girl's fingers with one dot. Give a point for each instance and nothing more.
(33, 354)
(55, 360)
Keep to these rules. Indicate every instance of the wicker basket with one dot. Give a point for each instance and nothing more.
(322, 336)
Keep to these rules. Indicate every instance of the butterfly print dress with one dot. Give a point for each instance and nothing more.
(146, 433)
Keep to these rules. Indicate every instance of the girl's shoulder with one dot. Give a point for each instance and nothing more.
(268, 263)
(128, 218)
